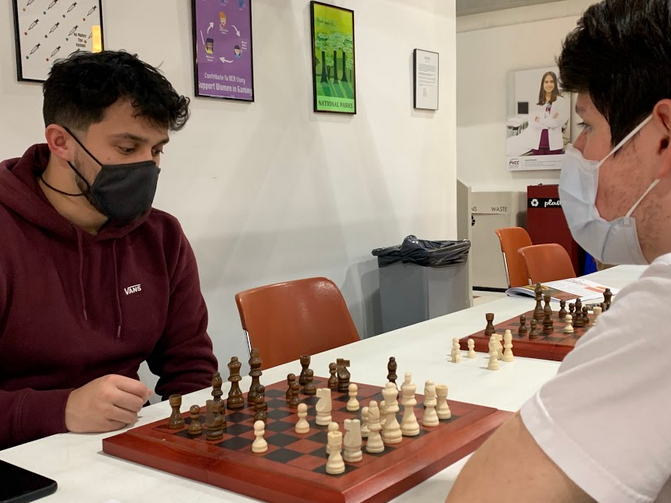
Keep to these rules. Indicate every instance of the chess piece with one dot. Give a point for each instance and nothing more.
(374, 445)
(548, 324)
(547, 298)
(499, 346)
(259, 445)
(522, 331)
(302, 426)
(456, 351)
(214, 421)
(343, 375)
(597, 311)
(295, 395)
(568, 329)
(235, 398)
(430, 418)
(571, 309)
(383, 413)
(176, 421)
(538, 310)
(409, 425)
(324, 407)
(493, 363)
(585, 316)
(391, 433)
(333, 379)
(391, 369)
(364, 423)
(261, 407)
(195, 428)
(578, 321)
(508, 345)
(442, 408)
(607, 298)
(562, 309)
(534, 333)
(255, 363)
(305, 363)
(335, 464)
(309, 388)
(489, 329)
(217, 382)
(353, 403)
(471, 349)
(352, 441)
(291, 378)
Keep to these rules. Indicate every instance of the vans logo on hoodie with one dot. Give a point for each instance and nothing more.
(133, 289)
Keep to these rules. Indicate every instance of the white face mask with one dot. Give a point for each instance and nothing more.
(613, 242)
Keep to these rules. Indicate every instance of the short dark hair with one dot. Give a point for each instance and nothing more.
(620, 54)
(80, 88)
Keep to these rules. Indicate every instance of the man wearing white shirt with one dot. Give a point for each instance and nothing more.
(601, 430)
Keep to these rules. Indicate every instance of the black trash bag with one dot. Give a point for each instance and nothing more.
(424, 252)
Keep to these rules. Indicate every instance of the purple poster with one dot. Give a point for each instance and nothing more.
(223, 49)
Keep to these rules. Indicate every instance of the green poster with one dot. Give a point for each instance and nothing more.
(333, 60)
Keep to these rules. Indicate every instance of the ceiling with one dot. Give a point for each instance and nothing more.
(466, 7)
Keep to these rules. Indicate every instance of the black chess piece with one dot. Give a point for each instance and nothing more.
(489, 329)
(176, 421)
(392, 366)
(562, 310)
(534, 333)
(585, 315)
(523, 330)
(309, 388)
(295, 395)
(255, 373)
(214, 421)
(578, 321)
(343, 375)
(195, 428)
(260, 405)
(305, 363)
(607, 298)
(291, 378)
(538, 310)
(216, 387)
(548, 325)
(547, 298)
(333, 379)
(235, 398)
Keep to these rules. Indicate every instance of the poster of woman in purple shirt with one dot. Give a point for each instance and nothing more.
(223, 49)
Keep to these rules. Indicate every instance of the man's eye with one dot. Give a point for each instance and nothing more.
(156, 153)
(126, 150)
(584, 126)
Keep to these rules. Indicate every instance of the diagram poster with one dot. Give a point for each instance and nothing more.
(223, 49)
(48, 30)
(333, 59)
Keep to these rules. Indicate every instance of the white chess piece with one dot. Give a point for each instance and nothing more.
(383, 413)
(353, 403)
(364, 423)
(302, 426)
(456, 351)
(391, 432)
(568, 329)
(493, 354)
(430, 416)
(597, 312)
(352, 441)
(374, 445)
(259, 445)
(407, 383)
(324, 407)
(508, 355)
(471, 349)
(333, 426)
(409, 425)
(335, 464)
(442, 408)
(499, 346)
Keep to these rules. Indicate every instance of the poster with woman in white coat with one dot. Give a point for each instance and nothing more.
(539, 130)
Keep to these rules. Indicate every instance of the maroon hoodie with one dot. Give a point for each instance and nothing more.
(75, 307)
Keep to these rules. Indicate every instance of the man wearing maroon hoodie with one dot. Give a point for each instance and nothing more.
(93, 281)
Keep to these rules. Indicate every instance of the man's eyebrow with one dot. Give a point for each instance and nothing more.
(580, 110)
(138, 139)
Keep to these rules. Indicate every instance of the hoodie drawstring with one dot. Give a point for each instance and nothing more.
(118, 300)
(80, 248)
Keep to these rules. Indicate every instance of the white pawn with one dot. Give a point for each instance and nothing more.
(364, 423)
(352, 441)
(471, 349)
(409, 425)
(508, 355)
(493, 354)
(456, 351)
(499, 346)
(324, 407)
(597, 311)
(430, 416)
(335, 464)
(391, 432)
(568, 329)
(442, 408)
(405, 387)
(374, 445)
(353, 403)
(302, 426)
(259, 445)
(331, 427)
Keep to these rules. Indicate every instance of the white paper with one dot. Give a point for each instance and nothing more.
(426, 80)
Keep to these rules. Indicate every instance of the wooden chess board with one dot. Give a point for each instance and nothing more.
(554, 346)
(293, 470)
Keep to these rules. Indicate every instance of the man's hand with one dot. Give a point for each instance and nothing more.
(105, 404)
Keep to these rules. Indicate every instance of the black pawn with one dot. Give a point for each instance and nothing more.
(291, 379)
(547, 298)
(607, 298)
(578, 321)
(295, 398)
(216, 387)
(392, 366)
(195, 428)
(585, 315)
(305, 363)
(309, 388)
(522, 331)
(260, 406)
(489, 329)
(333, 379)
(533, 334)
(562, 310)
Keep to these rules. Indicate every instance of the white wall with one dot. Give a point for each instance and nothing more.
(271, 191)
(490, 47)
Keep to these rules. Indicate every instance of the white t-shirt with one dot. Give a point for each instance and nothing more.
(605, 420)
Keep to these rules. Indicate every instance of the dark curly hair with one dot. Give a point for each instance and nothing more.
(80, 88)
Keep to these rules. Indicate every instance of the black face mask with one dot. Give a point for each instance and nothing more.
(121, 192)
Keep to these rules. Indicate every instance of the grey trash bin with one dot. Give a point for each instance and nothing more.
(421, 280)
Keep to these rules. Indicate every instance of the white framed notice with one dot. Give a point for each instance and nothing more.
(426, 79)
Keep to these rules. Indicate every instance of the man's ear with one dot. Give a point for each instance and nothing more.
(59, 141)
(662, 124)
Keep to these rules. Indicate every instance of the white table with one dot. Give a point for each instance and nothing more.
(85, 474)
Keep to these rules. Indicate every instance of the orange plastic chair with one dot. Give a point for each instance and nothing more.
(547, 262)
(302, 317)
(512, 239)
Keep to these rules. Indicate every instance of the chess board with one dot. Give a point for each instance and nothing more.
(293, 470)
(554, 346)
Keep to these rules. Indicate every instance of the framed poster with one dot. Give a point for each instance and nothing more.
(426, 79)
(222, 49)
(47, 30)
(333, 59)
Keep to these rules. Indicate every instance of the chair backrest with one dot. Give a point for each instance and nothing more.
(302, 317)
(512, 239)
(547, 262)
